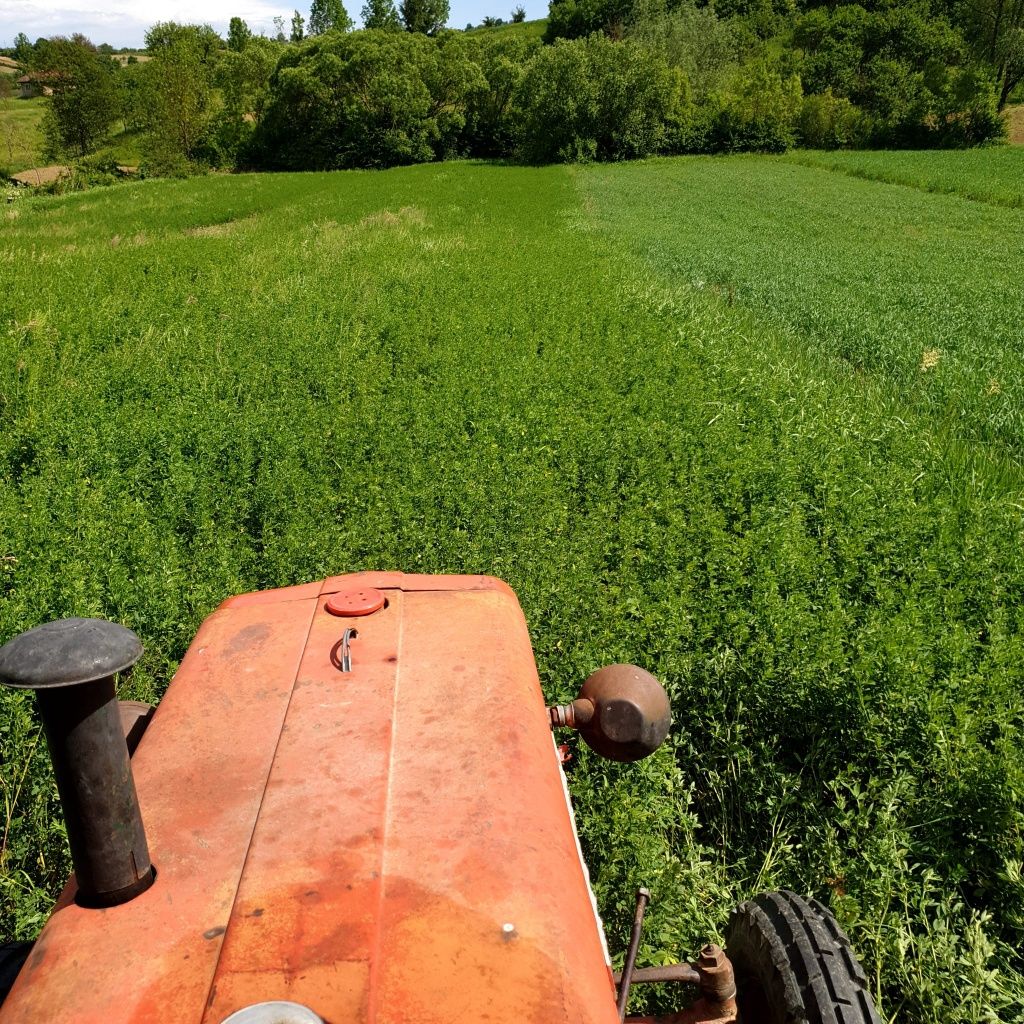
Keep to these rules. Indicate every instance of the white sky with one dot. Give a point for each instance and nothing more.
(123, 23)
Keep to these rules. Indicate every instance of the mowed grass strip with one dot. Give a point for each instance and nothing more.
(992, 174)
(216, 386)
(925, 290)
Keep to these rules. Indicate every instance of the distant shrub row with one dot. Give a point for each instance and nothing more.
(377, 99)
(613, 80)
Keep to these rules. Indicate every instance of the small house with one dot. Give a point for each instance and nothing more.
(35, 84)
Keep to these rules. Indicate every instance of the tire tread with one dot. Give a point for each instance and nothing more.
(801, 958)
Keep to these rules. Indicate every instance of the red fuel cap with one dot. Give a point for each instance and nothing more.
(364, 601)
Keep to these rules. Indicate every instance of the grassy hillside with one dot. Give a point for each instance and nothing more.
(525, 29)
(730, 419)
(22, 143)
(21, 136)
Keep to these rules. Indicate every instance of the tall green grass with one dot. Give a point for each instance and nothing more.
(21, 134)
(215, 386)
(989, 175)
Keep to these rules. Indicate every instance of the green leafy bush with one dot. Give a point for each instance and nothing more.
(493, 114)
(908, 68)
(707, 49)
(367, 99)
(761, 113)
(593, 99)
(577, 19)
(829, 122)
(243, 77)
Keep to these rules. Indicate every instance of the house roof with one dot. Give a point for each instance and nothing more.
(39, 76)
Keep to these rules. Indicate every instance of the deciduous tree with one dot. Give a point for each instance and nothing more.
(239, 35)
(494, 116)
(381, 14)
(84, 101)
(132, 90)
(367, 99)
(298, 27)
(325, 15)
(996, 28)
(426, 16)
(180, 88)
(244, 80)
(586, 99)
(575, 19)
(22, 49)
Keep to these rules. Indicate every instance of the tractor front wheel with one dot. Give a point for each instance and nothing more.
(794, 963)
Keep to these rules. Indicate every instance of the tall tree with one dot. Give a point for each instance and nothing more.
(381, 14)
(298, 27)
(244, 81)
(325, 15)
(426, 16)
(239, 35)
(996, 29)
(84, 101)
(22, 49)
(180, 80)
(133, 96)
(279, 36)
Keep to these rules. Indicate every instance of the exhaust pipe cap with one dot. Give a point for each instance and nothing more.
(68, 652)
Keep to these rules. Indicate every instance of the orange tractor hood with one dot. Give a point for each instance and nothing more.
(391, 843)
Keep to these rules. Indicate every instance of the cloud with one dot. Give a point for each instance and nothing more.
(123, 23)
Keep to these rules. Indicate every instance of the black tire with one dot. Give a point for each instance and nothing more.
(12, 957)
(794, 964)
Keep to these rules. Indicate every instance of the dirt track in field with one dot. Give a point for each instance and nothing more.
(1016, 118)
(41, 175)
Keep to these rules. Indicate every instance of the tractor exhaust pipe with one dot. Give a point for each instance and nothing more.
(71, 665)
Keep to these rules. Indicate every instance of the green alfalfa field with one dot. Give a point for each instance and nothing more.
(753, 424)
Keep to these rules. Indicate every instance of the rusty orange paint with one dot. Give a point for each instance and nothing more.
(387, 845)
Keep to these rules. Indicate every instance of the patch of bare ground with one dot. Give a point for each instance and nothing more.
(42, 175)
(1015, 123)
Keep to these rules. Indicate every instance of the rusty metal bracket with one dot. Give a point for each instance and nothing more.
(713, 974)
(643, 897)
(679, 974)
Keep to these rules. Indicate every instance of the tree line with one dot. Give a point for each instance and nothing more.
(611, 79)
